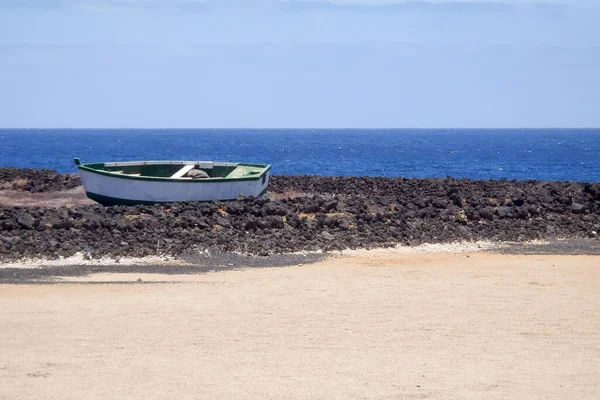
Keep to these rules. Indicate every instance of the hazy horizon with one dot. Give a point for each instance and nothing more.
(268, 64)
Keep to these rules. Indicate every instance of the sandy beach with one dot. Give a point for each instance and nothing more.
(376, 324)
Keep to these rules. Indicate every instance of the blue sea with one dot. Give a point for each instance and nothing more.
(543, 154)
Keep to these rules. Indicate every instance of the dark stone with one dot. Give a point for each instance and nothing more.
(331, 205)
(274, 209)
(275, 222)
(251, 224)
(593, 190)
(224, 222)
(203, 224)
(577, 208)
(422, 203)
(487, 213)
(27, 221)
(522, 213)
(534, 211)
(344, 224)
(327, 236)
(439, 204)
(311, 208)
(504, 212)
(271, 221)
(331, 222)
(422, 213)
(235, 208)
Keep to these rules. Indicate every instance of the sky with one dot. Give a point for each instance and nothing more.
(299, 64)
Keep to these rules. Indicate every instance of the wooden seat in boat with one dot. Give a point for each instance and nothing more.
(183, 171)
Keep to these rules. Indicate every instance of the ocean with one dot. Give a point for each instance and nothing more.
(542, 154)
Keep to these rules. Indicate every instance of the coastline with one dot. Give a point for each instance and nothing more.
(46, 215)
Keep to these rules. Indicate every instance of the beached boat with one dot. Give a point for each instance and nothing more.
(149, 182)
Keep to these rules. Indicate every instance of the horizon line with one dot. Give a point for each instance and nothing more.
(308, 128)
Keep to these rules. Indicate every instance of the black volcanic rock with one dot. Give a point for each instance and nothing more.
(326, 213)
(37, 180)
(26, 221)
(577, 208)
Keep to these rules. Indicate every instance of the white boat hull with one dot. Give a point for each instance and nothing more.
(116, 190)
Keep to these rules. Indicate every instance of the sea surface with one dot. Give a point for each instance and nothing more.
(542, 154)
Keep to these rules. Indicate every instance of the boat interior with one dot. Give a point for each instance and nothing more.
(181, 169)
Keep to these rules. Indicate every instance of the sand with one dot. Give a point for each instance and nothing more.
(386, 324)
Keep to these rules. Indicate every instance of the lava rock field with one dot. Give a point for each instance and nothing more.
(302, 213)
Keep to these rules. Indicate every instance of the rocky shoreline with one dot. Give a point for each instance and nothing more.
(300, 213)
(37, 180)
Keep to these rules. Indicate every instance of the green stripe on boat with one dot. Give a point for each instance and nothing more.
(112, 173)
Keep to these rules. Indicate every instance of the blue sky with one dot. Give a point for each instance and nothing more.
(299, 64)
